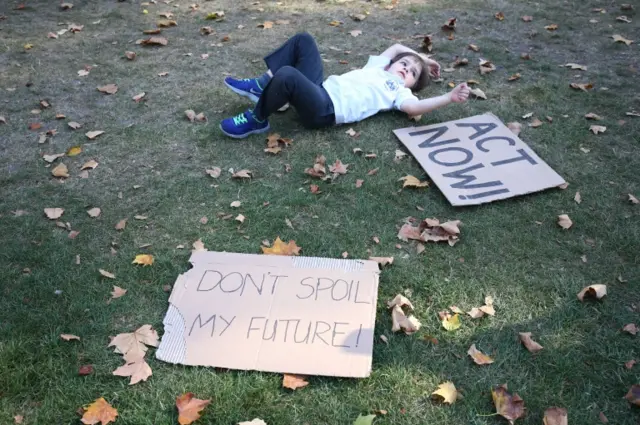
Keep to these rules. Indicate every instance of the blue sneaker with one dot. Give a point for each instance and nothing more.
(243, 125)
(247, 87)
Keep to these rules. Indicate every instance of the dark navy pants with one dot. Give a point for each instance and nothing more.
(297, 79)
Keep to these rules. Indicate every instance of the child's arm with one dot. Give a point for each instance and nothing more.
(396, 49)
(418, 107)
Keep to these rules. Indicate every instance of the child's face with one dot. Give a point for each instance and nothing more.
(407, 68)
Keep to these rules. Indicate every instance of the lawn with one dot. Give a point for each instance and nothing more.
(152, 161)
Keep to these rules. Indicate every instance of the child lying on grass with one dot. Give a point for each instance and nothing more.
(295, 76)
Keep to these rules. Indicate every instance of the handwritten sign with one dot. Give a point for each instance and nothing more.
(311, 316)
(477, 160)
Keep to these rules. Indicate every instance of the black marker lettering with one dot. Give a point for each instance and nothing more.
(258, 288)
(228, 323)
(346, 290)
(305, 284)
(275, 282)
(316, 334)
(359, 333)
(480, 128)
(318, 288)
(479, 143)
(356, 297)
(286, 329)
(468, 178)
(272, 337)
(468, 156)
(295, 334)
(205, 275)
(429, 143)
(241, 281)
(333, 335)
(523, 156)
(251, 324)
(202, 325)
(483, 194)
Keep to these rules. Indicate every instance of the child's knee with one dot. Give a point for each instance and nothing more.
(305, 38)
(285, 73)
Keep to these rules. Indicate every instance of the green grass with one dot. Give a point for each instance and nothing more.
(533, 271)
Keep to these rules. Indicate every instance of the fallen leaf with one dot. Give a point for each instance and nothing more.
(626, 6)
(281, 248)
(551, 27)
(360, 420)
(617, 38)
(166, 23)
(215, 15)
(189, 408)
(535, 123)
(577, 198)
(399, 155)
(89, 165)
(479, 94)
(335, 23)
(338, 167)
(486, 67)
(18, 419)
(633, 199)
(51, 158)
(527, 18)
(450, 25)
(475, 313)
(28, 46)
(510, 407)
(499, 16)
(214, 172)
(555, 416)
(515, 127)
(411, 181)
(153, 41)
(121, 224)
(355, 33)
(597, 129)
(633, 396)
(447, 391)
(66, 6)
(451, 323)
(3, 120)
(630, 364)
(75, 28)
(294, 382)
(575, 66)
(631, 114)
(631, 328)
(603, 418)
(427, 43)
(478, 357)
(399, 320)
(359, 183)
(69, 337)
(133, 345)
(106, 274)
(117, 293)
(266, 25)
(242, 174)
(529, 343)
(143, 259)
(564, 221)
(592, 116)
(515, 77)
(94, 212)
(596, 291)
(198, 246)
(99, 412)
(93, 134)
(474, 47)
(372, 172)
(563, 186)
(108, 89)
(138, 370)
(382, 261)
(60, 170)
(53, 213)
(358, 17)
(583, 87)
(137, 98)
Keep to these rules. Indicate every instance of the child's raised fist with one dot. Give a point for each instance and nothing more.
(460, 94)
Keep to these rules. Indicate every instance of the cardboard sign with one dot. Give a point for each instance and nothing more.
(302, 315)
(477, 160)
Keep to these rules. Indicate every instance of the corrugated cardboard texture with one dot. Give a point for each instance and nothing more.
(477, 160)
(303, 315)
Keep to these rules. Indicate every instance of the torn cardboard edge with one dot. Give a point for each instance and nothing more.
(301, 315)
(477, 160)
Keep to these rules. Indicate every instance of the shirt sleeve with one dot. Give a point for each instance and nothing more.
(377, 62)
(403, 95)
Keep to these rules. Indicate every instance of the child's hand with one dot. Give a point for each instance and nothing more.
(432, 66)
(460, 94)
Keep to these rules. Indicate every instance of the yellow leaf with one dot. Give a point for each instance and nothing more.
(281, 248)
(410, 181)
(99, 412)
(452, 323)
(144, 259)
(294, 381)
(447, 391)
(189, 408)
(28, 46)
(479, 357)
(215, 15)
(76, 150)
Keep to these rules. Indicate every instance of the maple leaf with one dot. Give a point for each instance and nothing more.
(133, 345)
(631, 328)
(529, 343)
(138, 370)
(281, 248)
(143, 259)
(294, 382)
(338, 167)
(564, 221)
(617, 38)
(117, 292)
(515, 127)
(60, 170)
(53, 213)
(99, 412)
(451, 323)
(555, 416)
(189, 408)
(447, 392)
(479, 357)
(411, 181)
(69, 337)
(510, 407)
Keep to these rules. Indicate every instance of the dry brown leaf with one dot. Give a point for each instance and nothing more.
(577, 198)
(630, 328)
(399, 319)
(99, 412)
(154, 41)
(596, 291)
(474, 47)
(478, 94)
(551, 27)
(592, 116)
(499, 16)
(515, 127)
(575, 66)
(117, 292)
(93, 134)
(53, 213)
(133, 345)
(74, 125)
(411, 181)
(382, 261)
(555, 416)
(597, 129)
(18, 419)
(478, 357)
(564, 221)
(266, 25)
(450, 25)
(338, 167)
(617, 38)
(51, 158)
(235, 204)
(475, 313)
(106, 274)
(529, 343)
(89, 165)
(94, 212)
(535, 123)
(189, 408)
(583, 87)
(510, 407)
(630, 364)
(515, 77)
(527, 18)
(121, 224)
(633, 199)
(427, 43)
(108, 89)
(359, 183)
(137, 98)
(335, 23)
(294, 382)
(214, 172)
(486, 67)
(198, 246)
(355, 33)
(138, 370)
(242, 174)
(69, 337)
(281, 248)
(603, 418)
(60, 170)
(166, 23)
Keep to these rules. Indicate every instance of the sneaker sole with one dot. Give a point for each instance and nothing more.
(242, 136)
(251, 96)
